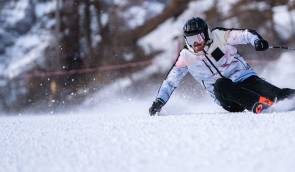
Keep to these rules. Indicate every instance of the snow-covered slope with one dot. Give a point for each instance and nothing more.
(124, 141)
(24, 35)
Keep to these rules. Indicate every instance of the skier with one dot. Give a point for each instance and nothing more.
(211, 58)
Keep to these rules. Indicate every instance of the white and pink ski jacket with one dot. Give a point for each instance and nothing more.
(219, 59)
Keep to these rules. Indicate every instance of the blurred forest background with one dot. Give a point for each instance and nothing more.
(54, 53)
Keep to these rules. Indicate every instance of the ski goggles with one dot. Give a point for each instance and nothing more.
(199, 38)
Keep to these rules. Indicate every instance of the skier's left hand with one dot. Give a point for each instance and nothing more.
(261, 45)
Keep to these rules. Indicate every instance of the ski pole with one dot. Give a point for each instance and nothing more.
(282, 47)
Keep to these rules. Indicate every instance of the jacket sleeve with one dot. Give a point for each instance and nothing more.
(241, 36)
(173, 79)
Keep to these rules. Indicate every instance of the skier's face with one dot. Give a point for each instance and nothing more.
(197, 42)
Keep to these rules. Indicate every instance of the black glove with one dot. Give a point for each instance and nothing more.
(156, 106)
(261, 45)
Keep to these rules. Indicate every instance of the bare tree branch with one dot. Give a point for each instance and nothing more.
(173, 9)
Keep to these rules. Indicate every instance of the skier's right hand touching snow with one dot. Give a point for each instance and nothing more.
(156, 106)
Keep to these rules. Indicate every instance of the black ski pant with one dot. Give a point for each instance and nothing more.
(238, 96)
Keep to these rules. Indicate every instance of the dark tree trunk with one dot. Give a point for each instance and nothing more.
(71, 38)
(87, 28)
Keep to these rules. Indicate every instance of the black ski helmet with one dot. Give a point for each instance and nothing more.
(195, 26)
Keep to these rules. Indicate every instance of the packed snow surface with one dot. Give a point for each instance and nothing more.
(133, 141)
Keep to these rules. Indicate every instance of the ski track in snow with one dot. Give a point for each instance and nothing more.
(92, 140)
